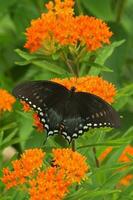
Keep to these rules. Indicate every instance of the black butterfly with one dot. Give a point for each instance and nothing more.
(64, 111)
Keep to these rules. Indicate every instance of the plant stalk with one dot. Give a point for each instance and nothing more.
(73, 145)
(96, 160)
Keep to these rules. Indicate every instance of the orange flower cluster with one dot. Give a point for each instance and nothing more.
(91, 84)
(52, 183)
(6, 101)
(26, 166)
(48, 185)
(123, 158)
(59, 27)
(69, 162)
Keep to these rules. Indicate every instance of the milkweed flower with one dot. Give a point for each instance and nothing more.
(72, 163)
(26, 166)
(60, 27)
(46, 182)
(123, 158)
(37, 123)
(26, 106)
(36, 120)
(6, 100)
(48, 185)
(68, 167)
(91, 84)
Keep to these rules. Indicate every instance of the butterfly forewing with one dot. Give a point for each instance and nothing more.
(43, 97)
(65, 111)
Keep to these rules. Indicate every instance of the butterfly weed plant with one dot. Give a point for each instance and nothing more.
(66, 126)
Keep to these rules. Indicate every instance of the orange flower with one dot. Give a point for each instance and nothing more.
(126, 180)
(105, 153)
(69, 167)
(29, 162)
(91, 84)
(37, 123)
(6, 100)
(26, 106)
(48, 185)
(72, 163)
(123, 158)
(59, 26)
(92, 32)
(36, 119)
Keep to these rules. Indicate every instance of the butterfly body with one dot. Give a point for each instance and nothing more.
(66, 112)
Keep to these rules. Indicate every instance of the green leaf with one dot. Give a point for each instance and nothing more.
(25, 55)
(123, 95)
(23, 63)
(6, 3)
(8, 126)
(10, 136)
(49, 66)
(100, 10)
(103, 54)
(34, 59)
(100, 67)
(83, 194)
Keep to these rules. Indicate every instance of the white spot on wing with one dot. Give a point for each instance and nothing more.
(68, 138)
(85, 127)
(95, 125)
(75, 135)
(43, 120)
(41, 113)
(90, 124)
(80, 131)
(64, 133)
(39, 109)
(50, 133)
(46, 126)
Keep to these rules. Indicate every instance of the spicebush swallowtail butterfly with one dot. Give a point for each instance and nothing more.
(66, 112)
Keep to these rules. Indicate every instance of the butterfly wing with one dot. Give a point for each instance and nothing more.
(67, 112)
(87, 111)
(44, 97)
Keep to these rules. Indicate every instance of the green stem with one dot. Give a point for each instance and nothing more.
(79, 7)
(120, 8)
(68, 63)
(96, 160)
(73, 145)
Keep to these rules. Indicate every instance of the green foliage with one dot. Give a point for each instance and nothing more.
(113, 62)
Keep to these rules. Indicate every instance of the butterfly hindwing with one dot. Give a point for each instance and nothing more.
(87, 111)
